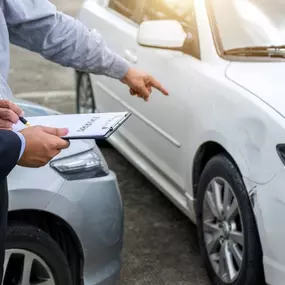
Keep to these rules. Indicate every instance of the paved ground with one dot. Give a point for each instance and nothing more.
(160, 242)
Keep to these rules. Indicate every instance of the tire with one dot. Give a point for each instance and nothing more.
(50, 261)
(249, 268)
(80, 76)
(84, 78)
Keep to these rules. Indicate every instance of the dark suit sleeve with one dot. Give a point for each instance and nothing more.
(10, 147)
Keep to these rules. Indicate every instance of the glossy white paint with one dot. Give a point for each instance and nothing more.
(163, 34)
(238, 105)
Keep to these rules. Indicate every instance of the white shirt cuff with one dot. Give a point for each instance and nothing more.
(23, 144)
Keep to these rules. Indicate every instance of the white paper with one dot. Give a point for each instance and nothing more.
(79, 125)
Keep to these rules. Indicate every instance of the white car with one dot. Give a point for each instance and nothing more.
(216, 145)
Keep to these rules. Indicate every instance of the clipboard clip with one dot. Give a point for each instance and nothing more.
(112, 123)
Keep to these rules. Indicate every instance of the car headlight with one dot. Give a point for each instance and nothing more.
(89, 164)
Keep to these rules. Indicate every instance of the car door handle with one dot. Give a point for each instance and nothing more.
(130, 56)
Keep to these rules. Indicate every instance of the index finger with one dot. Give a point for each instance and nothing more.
(12, 106)
(154, 83)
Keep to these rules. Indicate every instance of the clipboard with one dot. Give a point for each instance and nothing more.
(111, 128)
(98, 126)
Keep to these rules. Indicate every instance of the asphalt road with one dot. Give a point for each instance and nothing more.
(160, 242)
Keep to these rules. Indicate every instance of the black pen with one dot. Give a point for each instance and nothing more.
(24, 121)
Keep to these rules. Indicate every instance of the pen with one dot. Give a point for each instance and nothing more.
(24, 121)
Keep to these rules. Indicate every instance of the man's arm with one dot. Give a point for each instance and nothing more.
(36, 25)
(10, 148)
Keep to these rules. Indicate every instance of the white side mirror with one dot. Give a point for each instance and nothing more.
(167, 34)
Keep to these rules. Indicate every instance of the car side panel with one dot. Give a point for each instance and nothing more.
(94, 210)
(116, 31)
(156, 129)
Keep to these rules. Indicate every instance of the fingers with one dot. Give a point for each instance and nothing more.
(154, 83)
(142, 92)
(7, 125)
(133, 92)
(55, 131)
(62, 132)
(58, 133)
(145, 89)
(9, 115)
(6, 104)
(62, 144)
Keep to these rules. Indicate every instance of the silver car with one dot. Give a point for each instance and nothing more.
(65, 219)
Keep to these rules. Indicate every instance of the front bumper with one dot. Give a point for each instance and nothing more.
(94, 210)
(269, 208)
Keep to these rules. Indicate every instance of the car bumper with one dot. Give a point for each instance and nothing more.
(93, 208)
(269, 207)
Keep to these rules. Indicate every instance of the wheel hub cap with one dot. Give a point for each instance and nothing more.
(223, 230)
(23, 267)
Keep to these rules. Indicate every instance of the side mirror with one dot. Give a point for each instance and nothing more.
(166, 34)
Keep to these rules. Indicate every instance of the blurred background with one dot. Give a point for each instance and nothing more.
(30, 73)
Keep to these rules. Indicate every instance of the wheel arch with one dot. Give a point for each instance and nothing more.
(59, 230)
(205, 152)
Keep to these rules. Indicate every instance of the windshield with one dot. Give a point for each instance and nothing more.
(249, 23)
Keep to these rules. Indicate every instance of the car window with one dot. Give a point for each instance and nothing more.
(182, 11)
(126, 8)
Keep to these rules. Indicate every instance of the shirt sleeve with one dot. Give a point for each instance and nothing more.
(37, 26)
(10, 146)
(23, 144)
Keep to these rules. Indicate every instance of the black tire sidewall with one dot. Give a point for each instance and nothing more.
(79, 77)
(34, 240)
(252, 268)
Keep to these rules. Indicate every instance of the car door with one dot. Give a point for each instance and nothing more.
(159, 126)
(115, 20)
(157, 129)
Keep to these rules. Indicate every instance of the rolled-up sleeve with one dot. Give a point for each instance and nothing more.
(37, 26)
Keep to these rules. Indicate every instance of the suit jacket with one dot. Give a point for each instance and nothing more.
(10, 147)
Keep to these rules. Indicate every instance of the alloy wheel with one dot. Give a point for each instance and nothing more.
(23, 267)
(223, 230)
(86, 102)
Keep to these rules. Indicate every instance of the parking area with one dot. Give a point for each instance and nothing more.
(160, 242)
(160, 245)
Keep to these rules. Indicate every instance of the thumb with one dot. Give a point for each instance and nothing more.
(59, 132)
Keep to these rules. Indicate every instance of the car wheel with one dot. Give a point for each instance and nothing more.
(33, 257)
(227, 231)
(85, 101)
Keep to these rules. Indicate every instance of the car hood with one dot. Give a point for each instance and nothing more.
(263, 79)
(32, 109)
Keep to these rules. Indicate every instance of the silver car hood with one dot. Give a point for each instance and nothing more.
(263, 79)
(76, 146)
